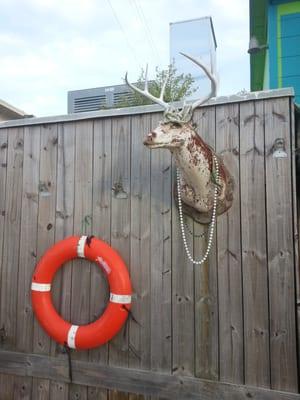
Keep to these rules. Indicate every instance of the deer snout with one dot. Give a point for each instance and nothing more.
(149, 138)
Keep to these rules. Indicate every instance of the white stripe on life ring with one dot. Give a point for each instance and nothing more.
(72, 336)
(80, 246)
(120, 298)
(41, 287)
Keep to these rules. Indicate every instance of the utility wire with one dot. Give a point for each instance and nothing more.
(143, 25)
(144, 22)
(149, 30)
(124, 34)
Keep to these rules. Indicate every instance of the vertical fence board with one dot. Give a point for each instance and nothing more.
(11, 170)
(11, 231)
(6, 381)
(206, 277)
(120, 225)
(183, 327)
(295, 129)
(101, 228)
(3, 223)
(280, 248)
(7, 386)
(63, 228)
(58, 391)
(254, 247)
(45, 234)
(3, 170)
(81, 272)
(229, 254)
(139, 332)
(64, 224)
(28, 250)
(161, 263)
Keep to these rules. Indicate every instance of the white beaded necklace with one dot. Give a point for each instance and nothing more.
(213, 216)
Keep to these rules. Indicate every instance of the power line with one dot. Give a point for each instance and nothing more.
(140, 17)
(124, 34)
(144, 22)
(148, 29)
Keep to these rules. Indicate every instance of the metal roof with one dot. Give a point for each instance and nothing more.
(8, 112)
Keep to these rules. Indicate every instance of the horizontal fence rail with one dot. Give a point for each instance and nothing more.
(136, 381)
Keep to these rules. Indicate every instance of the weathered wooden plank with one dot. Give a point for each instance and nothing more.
(7, 386)
(294, 126)
(11, 171)
(63, 228)
(136, 381)
(161, 263)
(101, 222)
(81, 272)
(28, 240)
(206, 277)
(120, 223)
(183, 324)
(3, 170)
(139, 333)
(229, 254)
(82, 219)
(102, 185)
(45, 234)
(6, 382)
(280, 248)
(254, 245)
(64, 224)
(7, 389)
(40, 389)
(28, 250)
(11, 234)
(58, 390)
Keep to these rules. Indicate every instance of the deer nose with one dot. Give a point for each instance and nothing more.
(150, 136)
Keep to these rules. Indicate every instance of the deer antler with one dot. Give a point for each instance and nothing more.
(212, 78)
(146, 93)
(172, 113)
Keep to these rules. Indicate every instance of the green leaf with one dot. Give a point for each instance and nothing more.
(179, 86)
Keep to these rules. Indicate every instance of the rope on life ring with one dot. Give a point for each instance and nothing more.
(110, 322)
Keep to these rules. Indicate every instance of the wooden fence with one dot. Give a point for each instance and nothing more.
(223, 330)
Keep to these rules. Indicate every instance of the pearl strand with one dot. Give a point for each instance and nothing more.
(213, 217)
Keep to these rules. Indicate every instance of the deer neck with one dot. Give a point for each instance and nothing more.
(194, 159)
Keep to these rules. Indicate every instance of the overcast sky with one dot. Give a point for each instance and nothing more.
(49, 47)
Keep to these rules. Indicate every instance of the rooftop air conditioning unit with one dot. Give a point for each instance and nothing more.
(97, 98)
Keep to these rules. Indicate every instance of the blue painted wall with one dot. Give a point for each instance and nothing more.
(284, 45)
(290, 52)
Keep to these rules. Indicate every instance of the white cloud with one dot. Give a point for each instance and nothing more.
(10, 39)
(73, 10)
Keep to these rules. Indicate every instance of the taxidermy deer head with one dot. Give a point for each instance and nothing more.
(193, 156)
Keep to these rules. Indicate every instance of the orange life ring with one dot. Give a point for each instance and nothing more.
(106, 327)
